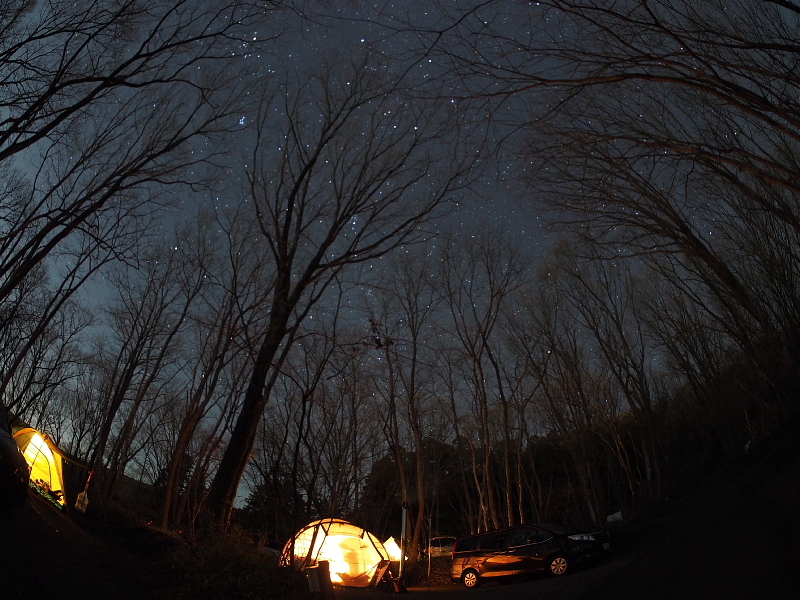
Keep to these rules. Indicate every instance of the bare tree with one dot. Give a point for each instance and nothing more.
(661, 130)
(666, 125)
(478, 278)
(450, 381)
(41, 360)
(570, 389)
(226, 312)
(603, 294)
(147, 320)
(99, 105)
(401, 335)
(351, 171)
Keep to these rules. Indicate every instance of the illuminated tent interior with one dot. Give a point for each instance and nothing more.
(353, 554)
(392, 549)
(45, 461)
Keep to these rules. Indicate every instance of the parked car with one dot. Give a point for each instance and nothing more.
(441, 546)
(14, 472)
(522, 549)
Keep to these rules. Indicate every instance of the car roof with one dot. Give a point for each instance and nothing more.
(552, 528)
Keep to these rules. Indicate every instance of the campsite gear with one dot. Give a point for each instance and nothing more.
(319, 581)
(82, 501)
(353, 554)
(45, 461)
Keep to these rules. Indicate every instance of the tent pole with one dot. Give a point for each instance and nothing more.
(403, 542)
(430, 532)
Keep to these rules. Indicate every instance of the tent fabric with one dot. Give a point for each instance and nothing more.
(392, 549)
(44, 459)
(353, 554)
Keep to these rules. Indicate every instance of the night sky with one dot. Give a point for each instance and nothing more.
(397, 35)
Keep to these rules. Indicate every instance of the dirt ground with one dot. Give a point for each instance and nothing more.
(737, 537)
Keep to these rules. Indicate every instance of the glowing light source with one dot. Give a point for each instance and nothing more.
(44, 460)
(393, 549)
(353, 554)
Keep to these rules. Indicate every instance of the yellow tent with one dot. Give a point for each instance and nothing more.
(44, 459)
(353, 554)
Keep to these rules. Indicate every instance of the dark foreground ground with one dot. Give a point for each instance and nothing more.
(737, 536)
(44, 555)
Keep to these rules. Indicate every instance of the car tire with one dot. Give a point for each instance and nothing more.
(558, 565)
(470, 578)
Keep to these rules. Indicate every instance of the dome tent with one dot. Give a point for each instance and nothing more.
(45, 461)
(353, 553)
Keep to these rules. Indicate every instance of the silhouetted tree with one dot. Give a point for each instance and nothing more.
(342, 171)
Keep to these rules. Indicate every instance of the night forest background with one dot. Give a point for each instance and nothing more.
(508, 262)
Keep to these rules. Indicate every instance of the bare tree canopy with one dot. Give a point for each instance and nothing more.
(353, 170)
(98, 104)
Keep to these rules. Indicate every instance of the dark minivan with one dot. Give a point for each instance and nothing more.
(522, 549)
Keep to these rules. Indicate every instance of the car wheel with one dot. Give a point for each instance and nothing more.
(470, 578)
(558, 565)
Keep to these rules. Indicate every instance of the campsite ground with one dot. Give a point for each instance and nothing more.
(44, 554)
(737, 536)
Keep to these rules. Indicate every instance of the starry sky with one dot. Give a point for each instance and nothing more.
(398, 34)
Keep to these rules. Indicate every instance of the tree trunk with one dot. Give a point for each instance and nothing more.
(223, 490)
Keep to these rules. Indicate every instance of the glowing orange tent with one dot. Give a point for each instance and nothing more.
(353, 553)
(45, 460)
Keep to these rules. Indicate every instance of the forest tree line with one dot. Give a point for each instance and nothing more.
(310, 320)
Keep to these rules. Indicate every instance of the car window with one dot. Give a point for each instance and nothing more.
(493, 541)
(528, 535)
(470, 543)
(541, 534)
(520, 537)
